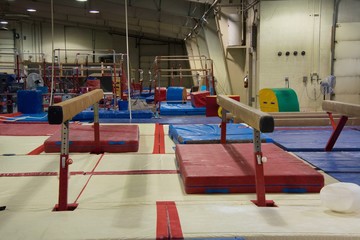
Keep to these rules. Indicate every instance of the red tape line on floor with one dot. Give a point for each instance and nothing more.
(103, 173)
(134, 172)
(87, 182)
(159, 139)
(37, 150)
(37, 174)
(168, 221)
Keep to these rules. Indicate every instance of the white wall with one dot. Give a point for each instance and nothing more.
(295, 25)
(347, 52)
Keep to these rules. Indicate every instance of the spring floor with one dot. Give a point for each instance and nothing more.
(141, 196)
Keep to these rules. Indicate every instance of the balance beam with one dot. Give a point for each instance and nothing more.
(253, 117)
(346, 110)
(62, 113)
(260, 122)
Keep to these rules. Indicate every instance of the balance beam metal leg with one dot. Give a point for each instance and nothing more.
(97, 129)
(259, 174)
(64, 171)
(223, 126)
(336, 133)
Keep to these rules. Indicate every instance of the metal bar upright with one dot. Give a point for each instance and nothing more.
(336, 133)
(97, 128)
(223, 126)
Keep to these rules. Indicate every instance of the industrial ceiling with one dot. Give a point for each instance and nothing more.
(161, 19)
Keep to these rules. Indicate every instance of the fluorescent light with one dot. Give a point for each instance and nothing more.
(4, 22)
(94, 11)
(31, 10)
(81, 0)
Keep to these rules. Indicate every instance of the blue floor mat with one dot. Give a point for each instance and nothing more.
(195, 119)
(178, 109)
(341, 162)
(343, 166)
(211, 133)
(298, 140)
(347, 177)
(36, 117)
(88, 115)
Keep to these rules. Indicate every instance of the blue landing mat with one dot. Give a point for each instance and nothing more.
(210, 133)
(195, 119)
(347, 177)
(344, 166)
(35, 117)
(88, 115)
(315, 140)
(343, 162)
(176, 109)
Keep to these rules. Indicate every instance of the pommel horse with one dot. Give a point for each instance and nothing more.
(62, 113)
(346, 110)
(260, 122)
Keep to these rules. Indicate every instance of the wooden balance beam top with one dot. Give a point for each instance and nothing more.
(255, 118)
(346, 109)
(64, 111)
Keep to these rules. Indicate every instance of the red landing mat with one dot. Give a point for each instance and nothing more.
(229, 168)
(27, 129)
(113, 138)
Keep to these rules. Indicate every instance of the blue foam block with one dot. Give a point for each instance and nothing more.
(211, 133)
(29, 101)
(170, 109)
(174, 94)
(299, 140)
(343, 162)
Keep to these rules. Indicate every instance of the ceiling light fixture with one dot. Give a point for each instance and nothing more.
(4, 22)
(94, 11)
(81, 0)
(31, 10)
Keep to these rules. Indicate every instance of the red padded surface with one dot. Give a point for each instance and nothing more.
(27, 129)
(229, 168)
(212, 107)
(113, 138)
(198, 99)
(160, 94)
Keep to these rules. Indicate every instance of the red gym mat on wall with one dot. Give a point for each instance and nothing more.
(113, 138)
(229, 168)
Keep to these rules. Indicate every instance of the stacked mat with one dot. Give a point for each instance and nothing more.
(211, 133)
(186, 108)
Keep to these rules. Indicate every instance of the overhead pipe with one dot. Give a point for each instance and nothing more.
(333, 35)
(202, 19)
